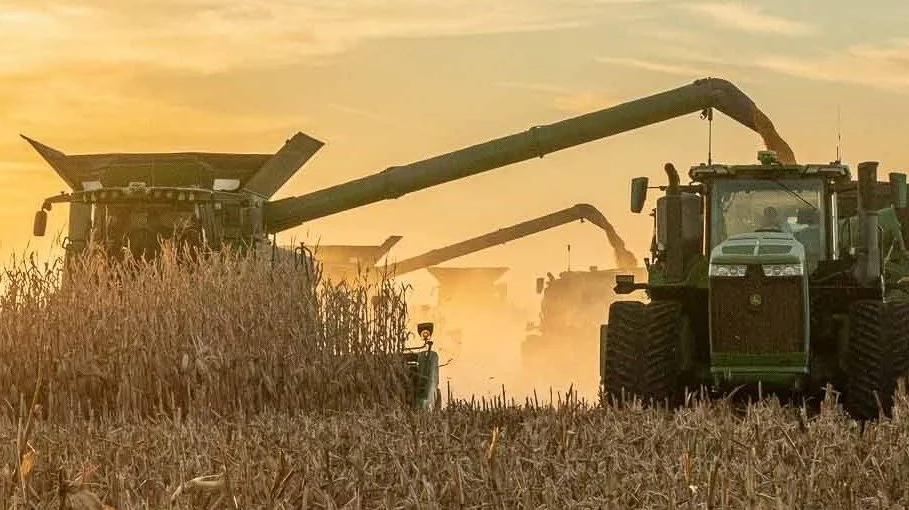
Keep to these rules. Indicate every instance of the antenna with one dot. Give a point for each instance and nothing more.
(707, 113)
(838, 135)
(569, 257)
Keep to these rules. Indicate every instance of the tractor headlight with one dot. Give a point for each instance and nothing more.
(727, 269)
(783, 270)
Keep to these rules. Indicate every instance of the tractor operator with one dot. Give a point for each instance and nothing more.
(772, 221)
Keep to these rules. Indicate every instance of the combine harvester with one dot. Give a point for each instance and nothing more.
(215, 199)
(784, 275)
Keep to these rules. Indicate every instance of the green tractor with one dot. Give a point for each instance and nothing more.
(783, 276)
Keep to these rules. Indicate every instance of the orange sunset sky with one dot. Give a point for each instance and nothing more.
(389, 82)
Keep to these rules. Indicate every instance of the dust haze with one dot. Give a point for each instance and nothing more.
(480, 347)
(494, 341)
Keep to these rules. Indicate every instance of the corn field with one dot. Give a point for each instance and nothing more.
(244, 383)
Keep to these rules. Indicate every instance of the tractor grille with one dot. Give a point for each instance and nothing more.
(756, 314)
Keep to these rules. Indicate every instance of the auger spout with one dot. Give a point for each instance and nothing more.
(624, 258)
(538, 141)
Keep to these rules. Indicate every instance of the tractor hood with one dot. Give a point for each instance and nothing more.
(759, 248)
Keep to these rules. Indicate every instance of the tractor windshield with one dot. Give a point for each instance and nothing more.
(792, 206)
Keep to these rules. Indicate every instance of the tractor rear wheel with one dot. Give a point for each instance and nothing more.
(641, 351)
(875, 354)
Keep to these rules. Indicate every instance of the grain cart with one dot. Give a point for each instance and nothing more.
(787, 275)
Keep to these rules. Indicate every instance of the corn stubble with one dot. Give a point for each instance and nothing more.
(239, 384)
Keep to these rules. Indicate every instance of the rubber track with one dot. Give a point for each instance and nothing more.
(625, 324)
(663, 320)
(869, 362)
(641, 350)
(604, 334)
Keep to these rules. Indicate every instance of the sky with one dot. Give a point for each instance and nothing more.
(386, 83)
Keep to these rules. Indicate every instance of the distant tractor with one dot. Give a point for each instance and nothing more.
(571, 311)
(787, 275)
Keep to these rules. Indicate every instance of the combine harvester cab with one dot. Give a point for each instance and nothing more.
(784, 275)
(128, 203)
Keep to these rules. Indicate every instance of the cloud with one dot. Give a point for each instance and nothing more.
(565, 99)
(96, 108)
(584, 101)
(883, 66)
(534, 87)
(749, 18)
(650, 65)
(374, 116)
(208, 36)
(84, 63)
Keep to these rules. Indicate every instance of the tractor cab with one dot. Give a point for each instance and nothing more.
(136, 218)
(782, 211)
(727, 204)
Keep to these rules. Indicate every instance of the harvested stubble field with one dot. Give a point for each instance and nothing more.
(209, 387)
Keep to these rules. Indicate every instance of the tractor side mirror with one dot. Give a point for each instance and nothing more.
(425, 330)
(898, 190)
(539, 285)
(40, 225)
(638, 193)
